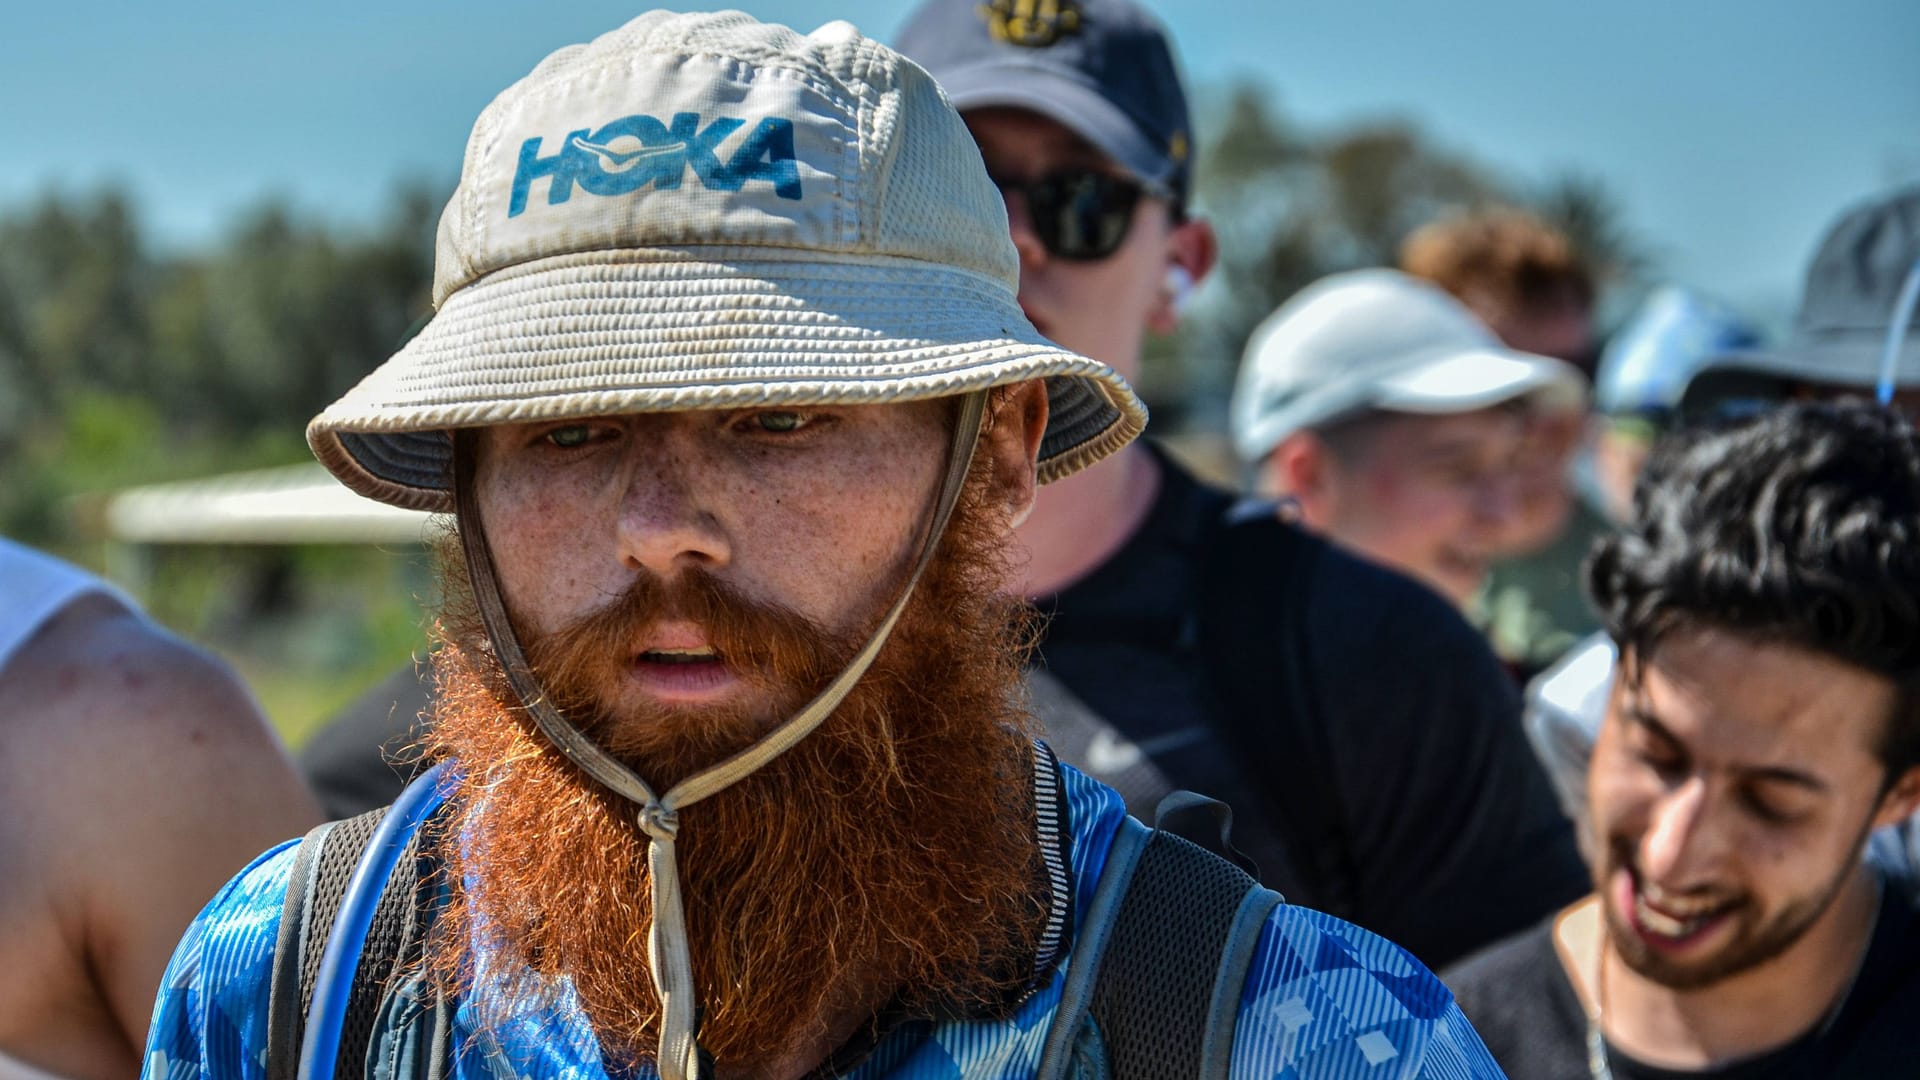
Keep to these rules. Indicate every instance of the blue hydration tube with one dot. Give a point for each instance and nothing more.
(320, 1049)
(1897, 334)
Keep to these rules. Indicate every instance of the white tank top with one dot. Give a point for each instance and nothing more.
(34, 587)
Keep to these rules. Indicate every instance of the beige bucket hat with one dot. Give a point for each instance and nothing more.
(702, 212)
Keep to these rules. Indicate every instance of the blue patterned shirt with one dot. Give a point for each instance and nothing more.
(1322, 999)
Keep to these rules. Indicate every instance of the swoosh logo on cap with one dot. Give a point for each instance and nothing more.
(1107, 753)
(619, 161)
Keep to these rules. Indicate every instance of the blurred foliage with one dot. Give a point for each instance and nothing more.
(309, 627)
(122, 366)
(119, 367)
(1291, 206)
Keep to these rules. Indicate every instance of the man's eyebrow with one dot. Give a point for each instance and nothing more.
(1078, 155)
(1456, 444)
(1779, 774)
(1643, 716)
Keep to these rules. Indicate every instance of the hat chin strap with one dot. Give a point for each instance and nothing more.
(668, 954)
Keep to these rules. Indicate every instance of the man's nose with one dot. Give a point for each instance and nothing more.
(1681, 839)
(665, 525)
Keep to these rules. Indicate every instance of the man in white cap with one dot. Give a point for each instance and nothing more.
(1391, 418)
(734, 406)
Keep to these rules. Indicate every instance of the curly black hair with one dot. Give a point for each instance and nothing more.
(1799, 527)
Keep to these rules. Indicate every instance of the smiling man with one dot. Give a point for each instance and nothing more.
(737, 771)
(1394, 421)
(1766, 602)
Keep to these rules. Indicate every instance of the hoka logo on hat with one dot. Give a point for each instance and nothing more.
(628, 154)
(711, 283)
(1034, 24)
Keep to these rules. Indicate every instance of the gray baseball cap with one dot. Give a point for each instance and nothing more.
(1101, 68)
(1380, 340)
(1839, 335)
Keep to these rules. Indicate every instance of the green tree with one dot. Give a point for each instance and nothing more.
(74, 276)
(1292, 206)
(215, 359)
(1583, 207)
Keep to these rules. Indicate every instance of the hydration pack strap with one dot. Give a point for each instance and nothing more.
(1154, 982)
(318, 887)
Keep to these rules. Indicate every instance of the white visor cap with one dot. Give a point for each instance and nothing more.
(1380, 340)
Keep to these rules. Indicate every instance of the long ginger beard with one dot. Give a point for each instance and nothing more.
(888, 861)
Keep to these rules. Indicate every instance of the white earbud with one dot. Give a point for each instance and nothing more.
(1179, 288)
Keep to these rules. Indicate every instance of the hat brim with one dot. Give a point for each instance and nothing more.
(1081, 109)
(1436, 383)
(676, 329)
(1460, 382)
(1852, 361)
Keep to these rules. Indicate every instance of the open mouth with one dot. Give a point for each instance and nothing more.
(680, 656)
(686, 675)
(1669, 921)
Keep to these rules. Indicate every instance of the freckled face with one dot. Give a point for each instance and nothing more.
(816, 509)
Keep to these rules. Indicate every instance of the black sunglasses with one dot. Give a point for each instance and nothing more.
(1080, 214)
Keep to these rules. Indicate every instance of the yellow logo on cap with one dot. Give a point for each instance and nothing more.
(1034, 24)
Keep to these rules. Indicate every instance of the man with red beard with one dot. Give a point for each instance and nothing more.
(1765, 720)
(733, 402)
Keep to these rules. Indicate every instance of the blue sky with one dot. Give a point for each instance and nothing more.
(1731, 130)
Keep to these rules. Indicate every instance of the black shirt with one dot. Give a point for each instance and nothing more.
(1520, 1000)
(1399, 723)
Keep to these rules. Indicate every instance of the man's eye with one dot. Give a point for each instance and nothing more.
(1766, 811)
(1771, 807)
(1662, 762)
(570, 437)
(1657, 755)
(1455, 472)
(779, 423)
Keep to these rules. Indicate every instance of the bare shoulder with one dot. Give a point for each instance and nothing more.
(100, 686)
(139, 775)
(139, 733)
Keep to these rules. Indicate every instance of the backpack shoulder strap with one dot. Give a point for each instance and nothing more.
(1168, 992)
(315, 887)
(1162, 955)
(284, 1009)
(316, 890)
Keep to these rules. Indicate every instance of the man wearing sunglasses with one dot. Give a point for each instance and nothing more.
(1362, 733)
